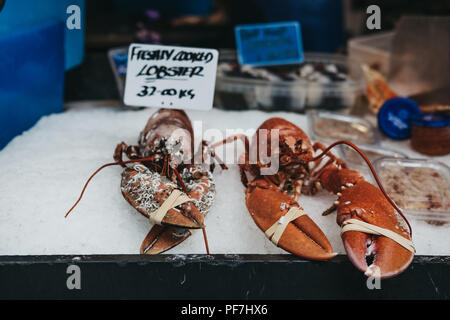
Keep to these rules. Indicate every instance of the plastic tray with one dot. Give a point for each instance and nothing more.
(418, 205)
(334, 125)
(243, 93)
(373, 153)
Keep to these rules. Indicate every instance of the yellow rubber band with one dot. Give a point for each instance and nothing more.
(175, 199)
(358, 225)
(275, 232)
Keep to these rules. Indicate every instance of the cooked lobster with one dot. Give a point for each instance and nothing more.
(270, 199)
(162, 164)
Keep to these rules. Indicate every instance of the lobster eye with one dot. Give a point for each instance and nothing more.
(285, 160)
(291, 143)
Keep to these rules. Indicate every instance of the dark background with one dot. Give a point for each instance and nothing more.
(326, 27)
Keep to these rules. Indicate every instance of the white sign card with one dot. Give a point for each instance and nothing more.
(170, 77)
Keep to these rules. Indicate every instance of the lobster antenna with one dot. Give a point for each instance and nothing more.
(101, 168)
(372, 170)
(205, 238)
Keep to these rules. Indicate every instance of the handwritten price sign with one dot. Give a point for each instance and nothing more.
(170, 77)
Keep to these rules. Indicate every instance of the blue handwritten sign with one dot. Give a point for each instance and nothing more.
(269, 43)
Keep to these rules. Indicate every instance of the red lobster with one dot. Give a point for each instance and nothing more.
(270, 198)
(163, 164)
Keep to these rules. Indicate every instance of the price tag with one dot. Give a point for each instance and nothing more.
(170, 77)
(269, 43)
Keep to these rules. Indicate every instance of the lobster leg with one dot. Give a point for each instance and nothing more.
(301, 237)
(331, 175)
(131, 152)
(227, 140)
(243, 159)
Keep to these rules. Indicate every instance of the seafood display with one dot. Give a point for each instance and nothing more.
(372, 153)
(417, 188)
(224, 150)
(307, 71)
(162, 165)
(166, 182)
(420, 187)
(175, 189)
(329, 126)
(321, 81)
(271, 201)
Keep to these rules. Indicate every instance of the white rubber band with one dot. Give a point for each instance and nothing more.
(358, 225)
(175, 199)
(275, 232)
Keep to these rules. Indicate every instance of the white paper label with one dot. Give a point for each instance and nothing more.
(170, 77)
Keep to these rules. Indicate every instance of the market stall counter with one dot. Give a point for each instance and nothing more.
(46, 167)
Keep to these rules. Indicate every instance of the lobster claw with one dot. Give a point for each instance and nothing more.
(146, 190)
(163, 238)
(375, 255)
(201, 188)
(302, 237)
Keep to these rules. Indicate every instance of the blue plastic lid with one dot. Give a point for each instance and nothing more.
(394, 117)
(432, 120)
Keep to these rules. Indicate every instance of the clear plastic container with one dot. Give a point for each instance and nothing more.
(233, 92)
(327, 127)
(421, 187)
(373, 153)
(373, 50)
